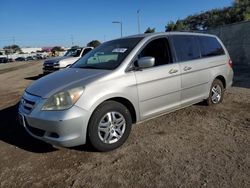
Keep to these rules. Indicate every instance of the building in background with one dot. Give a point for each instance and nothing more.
(2, 52)
(29, 50)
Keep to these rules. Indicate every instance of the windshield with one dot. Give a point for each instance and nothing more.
(109, 55)
(73, 53)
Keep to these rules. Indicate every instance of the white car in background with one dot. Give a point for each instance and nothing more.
(70, 57)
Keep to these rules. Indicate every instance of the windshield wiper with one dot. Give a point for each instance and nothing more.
(89, 67)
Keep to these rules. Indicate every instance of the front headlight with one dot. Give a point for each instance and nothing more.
(63, 100)
(56, 63)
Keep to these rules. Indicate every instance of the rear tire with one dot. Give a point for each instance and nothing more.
(109, 126)
(216, 94)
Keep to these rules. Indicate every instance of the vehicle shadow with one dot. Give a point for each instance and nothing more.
(85, 148)
(202, 103)
(35, 77)
(13, 133)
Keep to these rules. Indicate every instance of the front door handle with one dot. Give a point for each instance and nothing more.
(187, 68)
(172, 71)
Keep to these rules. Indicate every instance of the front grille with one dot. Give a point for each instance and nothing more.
(49, 61)
(51, 67)
(28, 102)
(48, 65)
(28, 105)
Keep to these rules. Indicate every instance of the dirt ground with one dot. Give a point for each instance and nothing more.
(198, 146)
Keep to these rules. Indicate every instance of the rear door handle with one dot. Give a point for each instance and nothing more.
(172, 71)
(187, 68)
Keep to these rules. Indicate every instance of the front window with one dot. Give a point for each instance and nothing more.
(73, 53)
(159, 49)
(109, 55)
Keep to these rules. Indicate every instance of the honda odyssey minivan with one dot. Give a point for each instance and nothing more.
(123, 82)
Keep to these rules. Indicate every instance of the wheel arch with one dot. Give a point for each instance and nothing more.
(222, 79)
(120, 99)
(128, 105)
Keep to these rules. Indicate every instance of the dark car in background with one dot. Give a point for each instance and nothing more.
(30, 58)
(3, 59)
(20, 59)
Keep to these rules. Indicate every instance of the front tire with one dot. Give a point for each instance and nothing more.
(109, 126)
(216, 93)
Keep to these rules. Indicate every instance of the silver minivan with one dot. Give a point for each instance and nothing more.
(123, 82)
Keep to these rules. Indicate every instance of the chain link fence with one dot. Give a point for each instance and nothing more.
(236, 38)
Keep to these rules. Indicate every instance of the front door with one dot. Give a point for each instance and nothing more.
(159, 86)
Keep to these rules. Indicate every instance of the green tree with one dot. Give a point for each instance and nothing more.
(246, 14)
(1, 53)
(170, 26)
(239, 11)
(74, 47)
(12, 49)
(57, 49)
(150, 30)
(94, 43)
(179, 26)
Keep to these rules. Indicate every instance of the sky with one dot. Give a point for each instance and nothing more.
(40, 23)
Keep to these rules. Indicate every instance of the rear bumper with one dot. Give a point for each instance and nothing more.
(230, 79)
(65, 128)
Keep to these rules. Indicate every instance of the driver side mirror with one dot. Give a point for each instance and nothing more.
(146, 62)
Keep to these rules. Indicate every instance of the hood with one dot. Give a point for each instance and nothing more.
(67, 78)
(56, 59)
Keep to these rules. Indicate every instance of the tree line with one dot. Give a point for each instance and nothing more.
(239, 11)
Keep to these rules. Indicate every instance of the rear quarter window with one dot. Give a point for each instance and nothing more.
(186, 47)
(210, 46)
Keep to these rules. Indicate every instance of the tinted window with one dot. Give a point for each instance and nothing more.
(159, 49)
(86, 50)
(186, 47)
(210, 46)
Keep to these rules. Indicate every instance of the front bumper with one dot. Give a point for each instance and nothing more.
(50, 69)
(64, 128)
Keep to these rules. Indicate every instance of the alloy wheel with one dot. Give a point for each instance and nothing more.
(216, 94)
(111, 127)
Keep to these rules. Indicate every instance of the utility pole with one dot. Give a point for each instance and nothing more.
(121, 29)
(138, 22)
(12, 50)
(72, 40)
(117, 22)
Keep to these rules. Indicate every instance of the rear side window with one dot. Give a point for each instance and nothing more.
(210, 46)
(186, 47)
